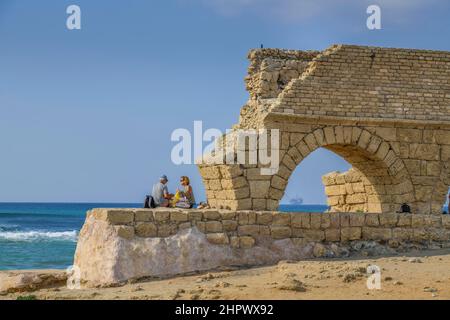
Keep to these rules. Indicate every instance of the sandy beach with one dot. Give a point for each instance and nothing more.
(417, 275)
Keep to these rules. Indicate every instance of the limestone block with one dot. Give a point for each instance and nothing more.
(304, 150)
(296, 220)
(382, 151)
(445, 153)
(409, 135)
(339, 134)
(259, 189)
(424, 151)
(284, 172)
(246, 242)
(345, 219)
(329, 135)
(117, 217)
(264, 231)
(333, 235)
(218, 238)
(370, 233)
(420, 234)
(372, 220)
(388, 134)
(357, 220)
(259, 204)
(442, 136)
(161, 216)
(325, 220)
(211, 215)
(356, 133)
(272, 204)
(281, 219)
(320, 137)
(166, 230)
(295, 138)
(279, 232)
(335, 200)
(417, 221)
(213, 226)
(356, 198)
(364, 139)
(388, 219)
(278, 182)
(249, 230)
(311, 142)
(295, 155)
(329, 178)
(374, 144)
(143, 215)
(264, 218)
(255, 174)
(231, 171)
(348, 135)
(333, 190)
(335, 220)
(126, 232)
(438, 234)
(433, 221)
(313, 235)
(210, 172)
(146, 229)
(229, 225)
(350, 233)
(402, 234)
(179, 216)
(446, 221)
(184, 225)
(316, 221)
(404, 220)
(227, 214)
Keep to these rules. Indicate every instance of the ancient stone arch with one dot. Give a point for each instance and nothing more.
(386, 111)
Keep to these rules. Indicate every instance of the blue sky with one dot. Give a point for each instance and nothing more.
(87, 115)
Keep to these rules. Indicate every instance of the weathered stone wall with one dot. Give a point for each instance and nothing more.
(385, 111)
(346, 192)
(243, 228)
(118, 244)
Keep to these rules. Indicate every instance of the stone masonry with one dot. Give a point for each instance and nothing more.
(116, 245)
(245, 228)
(386, 111)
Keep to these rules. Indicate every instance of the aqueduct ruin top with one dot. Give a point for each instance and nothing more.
(386, 111)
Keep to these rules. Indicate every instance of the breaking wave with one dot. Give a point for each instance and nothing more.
(39, 236)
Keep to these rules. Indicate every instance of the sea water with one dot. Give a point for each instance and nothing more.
(44, 235)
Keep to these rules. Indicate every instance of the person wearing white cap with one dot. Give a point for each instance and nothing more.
(160, 192)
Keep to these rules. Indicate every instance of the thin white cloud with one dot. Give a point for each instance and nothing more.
(299, 10)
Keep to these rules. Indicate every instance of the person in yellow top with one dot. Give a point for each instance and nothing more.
(184, 198)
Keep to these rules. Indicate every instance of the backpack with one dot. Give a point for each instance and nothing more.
(149, 202)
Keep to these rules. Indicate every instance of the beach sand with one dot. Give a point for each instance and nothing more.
(416, 275)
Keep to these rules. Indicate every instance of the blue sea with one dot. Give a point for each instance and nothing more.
(44, 235)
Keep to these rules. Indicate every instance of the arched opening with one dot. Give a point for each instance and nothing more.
(311, 196)
(380, 176)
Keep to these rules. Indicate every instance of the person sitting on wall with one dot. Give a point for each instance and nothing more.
(184, 198)
(160, 192)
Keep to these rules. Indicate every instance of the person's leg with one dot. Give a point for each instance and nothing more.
(165, 203)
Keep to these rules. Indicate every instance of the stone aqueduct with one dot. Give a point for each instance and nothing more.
(385, 111)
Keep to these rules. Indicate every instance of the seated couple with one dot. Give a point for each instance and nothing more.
(183, 198)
